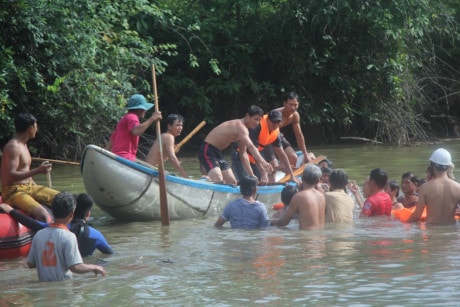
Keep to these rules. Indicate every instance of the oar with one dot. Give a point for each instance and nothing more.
(299, 171)
(189, 136)
(161, 168)
(48, 179)
(56, 161)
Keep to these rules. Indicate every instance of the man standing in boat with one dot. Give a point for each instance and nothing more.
(265, 134)
(236, 130)
(175, 124)
(18, 187)
(290, 116)
(440, 195)
(125, 139)
(309, 203)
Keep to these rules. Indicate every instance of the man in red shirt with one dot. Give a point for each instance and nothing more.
(379, 202)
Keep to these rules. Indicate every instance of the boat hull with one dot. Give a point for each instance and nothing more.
(129, 191)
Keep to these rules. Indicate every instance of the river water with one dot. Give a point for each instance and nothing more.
(372, 262)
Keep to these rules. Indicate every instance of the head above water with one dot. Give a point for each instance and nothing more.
(138, 102)
(63, 204)
(248, 185)
(379, 177)
(311, 174)
(84, 205)
(441, 159)
(287, 193)
(338, 179)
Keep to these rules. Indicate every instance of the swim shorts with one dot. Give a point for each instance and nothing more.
(211, 157)
(27, 197)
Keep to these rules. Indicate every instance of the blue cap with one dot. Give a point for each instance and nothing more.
(138, 101)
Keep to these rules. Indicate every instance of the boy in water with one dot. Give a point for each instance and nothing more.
(54, 251)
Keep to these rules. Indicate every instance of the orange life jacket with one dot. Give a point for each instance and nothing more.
(265, 136)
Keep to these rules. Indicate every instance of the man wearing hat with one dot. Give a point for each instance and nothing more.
(266, 133)
(440, 195)
(125, 139)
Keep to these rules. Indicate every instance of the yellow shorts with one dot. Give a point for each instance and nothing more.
(28, 197)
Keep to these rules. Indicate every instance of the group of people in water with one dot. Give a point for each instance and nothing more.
(259, 149)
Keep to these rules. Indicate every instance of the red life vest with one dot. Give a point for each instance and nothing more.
(265, 136)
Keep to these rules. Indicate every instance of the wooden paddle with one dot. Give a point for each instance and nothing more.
(161, 168)
(299, 171)
(189, 136)
(56, 161)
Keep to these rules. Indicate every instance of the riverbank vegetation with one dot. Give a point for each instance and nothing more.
(386, 70)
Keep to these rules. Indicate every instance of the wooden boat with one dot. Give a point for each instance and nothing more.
(15, 238)
(129, 191)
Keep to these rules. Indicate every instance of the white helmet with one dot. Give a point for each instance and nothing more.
(441, 156)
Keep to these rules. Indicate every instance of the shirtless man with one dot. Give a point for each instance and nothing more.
(292, 117)
(440, 195)
(236, 130)
(175, 124)
(18, 188)
(309, 203)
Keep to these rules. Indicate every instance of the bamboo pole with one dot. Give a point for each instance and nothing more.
(189, 136)
(162, 180)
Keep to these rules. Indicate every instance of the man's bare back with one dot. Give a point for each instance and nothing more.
(226, 133)
(311, 207)
(441, 196)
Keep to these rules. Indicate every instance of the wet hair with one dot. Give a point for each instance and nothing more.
(393, 185)
(23, 121)
(247, 185)
(439, 167)
(338, 179)
(411, 177)
(255, 110)
(173, 117)
(84, 205)
(311, 174)
(63, 204)
(289, 95)
(379, 177)
(287, 193)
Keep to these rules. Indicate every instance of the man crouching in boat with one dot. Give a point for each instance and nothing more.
(18, 188)
(175, 124)
(245, 212)
(236, 130)
(440, 195)
(309, 203)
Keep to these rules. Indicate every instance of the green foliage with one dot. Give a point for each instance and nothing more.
(360, 67)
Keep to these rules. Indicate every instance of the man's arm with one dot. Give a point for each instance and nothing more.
(220, 221)
(299, 137)
(82, 268)
(168, 146)
(256, 154)
(287, 215)
(139, 129)
(23, 219)
(421, 203)
(12, 156)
